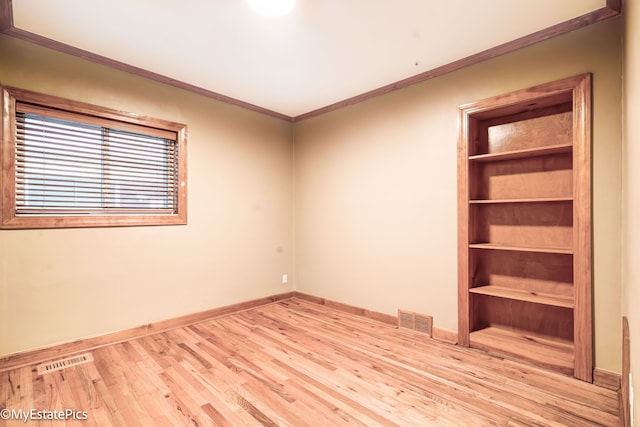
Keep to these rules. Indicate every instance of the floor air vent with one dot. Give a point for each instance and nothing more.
(417, 322)
(57, 365)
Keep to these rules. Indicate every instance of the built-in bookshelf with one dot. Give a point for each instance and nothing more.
(525, 226)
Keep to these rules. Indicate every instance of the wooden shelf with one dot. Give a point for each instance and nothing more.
(502, 247)
(520, 154)
(524, 226)
(527, 200)
(554, 354)
(523, 295)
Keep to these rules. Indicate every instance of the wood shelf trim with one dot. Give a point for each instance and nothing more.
(502, 247)
(524, 200)
(523, 295)
(525, 153)
(551, 353)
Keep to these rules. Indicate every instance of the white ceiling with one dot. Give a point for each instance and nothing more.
(325, 51)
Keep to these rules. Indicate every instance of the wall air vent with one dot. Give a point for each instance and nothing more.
(405, 319)
(423, 323)
(417, 322)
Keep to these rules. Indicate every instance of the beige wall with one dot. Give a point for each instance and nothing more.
(631, 185)
(61, 285)
(375, 186)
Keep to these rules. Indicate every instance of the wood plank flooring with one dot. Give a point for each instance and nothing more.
(296, 363)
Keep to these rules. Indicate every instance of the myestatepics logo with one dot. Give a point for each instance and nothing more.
(40, 415)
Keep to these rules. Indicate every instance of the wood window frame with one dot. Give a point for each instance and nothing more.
(8, 217)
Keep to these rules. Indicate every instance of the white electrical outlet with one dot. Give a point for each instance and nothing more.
(285, 278)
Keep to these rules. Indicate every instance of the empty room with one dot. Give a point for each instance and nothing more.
(319, 213)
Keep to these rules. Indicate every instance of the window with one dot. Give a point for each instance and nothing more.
(70, 164)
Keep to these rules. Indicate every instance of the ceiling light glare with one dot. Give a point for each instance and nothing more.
(272, 8)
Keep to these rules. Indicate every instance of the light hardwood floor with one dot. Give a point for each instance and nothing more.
(303, 364)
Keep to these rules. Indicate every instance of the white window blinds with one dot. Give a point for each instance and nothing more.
(75, 164)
